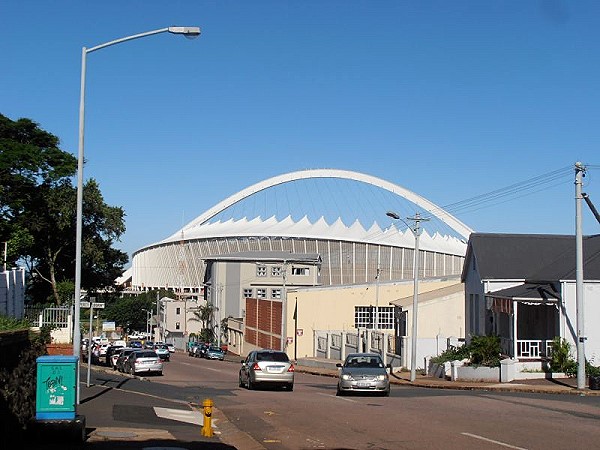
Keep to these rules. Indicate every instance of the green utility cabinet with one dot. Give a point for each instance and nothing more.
(56, 389)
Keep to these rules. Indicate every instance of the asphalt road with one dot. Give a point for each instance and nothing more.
(312, 416)
(163, 412)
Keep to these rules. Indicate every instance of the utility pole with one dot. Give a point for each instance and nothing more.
(5, 255)
(416, 263)
(376, 323)
(579, 174)
(283, 310)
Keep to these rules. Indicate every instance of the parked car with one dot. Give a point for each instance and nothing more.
(201, 351)
(267, 367)
(149, 345)
(213, 352)
(110, 351)
(162, 351)
(123, 355)
(143, 361)
(136, 344)
(363, 372)
(171, 348)
(112, 361)
(192, 349)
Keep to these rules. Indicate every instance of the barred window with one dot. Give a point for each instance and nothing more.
(275, 293)
(364, 317)
(248, 292)
(177, 325)
(261, 271)
(300, 271)
(261, 293)
(276, 271)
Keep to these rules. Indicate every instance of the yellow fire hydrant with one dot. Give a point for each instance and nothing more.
(207, 406)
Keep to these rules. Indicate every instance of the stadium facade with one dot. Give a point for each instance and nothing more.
(349, 254)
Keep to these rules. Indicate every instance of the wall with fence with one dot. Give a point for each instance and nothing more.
(395, 350)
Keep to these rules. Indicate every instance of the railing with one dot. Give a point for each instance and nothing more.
(534, 348)
(56, 316)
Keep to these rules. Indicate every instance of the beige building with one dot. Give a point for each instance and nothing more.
(348, 308)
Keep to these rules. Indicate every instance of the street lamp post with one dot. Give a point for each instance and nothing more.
(416, 262)
(190, 32)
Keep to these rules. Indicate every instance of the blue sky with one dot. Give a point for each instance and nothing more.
(448, 99)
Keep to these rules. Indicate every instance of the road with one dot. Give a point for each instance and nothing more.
(313, 417)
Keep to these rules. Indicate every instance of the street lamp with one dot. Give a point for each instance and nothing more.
(416, 262)
(189, 32)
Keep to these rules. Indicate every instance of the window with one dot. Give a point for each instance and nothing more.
(275, 293)
(177, 311)
(261, 293)
(261, 271)
(300, 271)
(364, 317)
(177, 325)
(276, 271)
(248, 292)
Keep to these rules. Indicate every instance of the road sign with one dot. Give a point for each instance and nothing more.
(84, 304)
(98, 305)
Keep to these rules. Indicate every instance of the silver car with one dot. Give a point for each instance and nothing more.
(363, 372)
(267, 367)
(143, 361)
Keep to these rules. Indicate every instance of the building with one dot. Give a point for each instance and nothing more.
(522, 287)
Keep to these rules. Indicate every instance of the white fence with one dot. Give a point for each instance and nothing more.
(394, 350)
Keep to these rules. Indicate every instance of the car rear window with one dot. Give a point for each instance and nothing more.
(147, 355)
(272, 356)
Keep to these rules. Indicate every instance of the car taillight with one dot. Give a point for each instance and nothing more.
(291, 369)
(255, 366)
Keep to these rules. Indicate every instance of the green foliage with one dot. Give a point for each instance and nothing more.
(18, 386)
(591, 370)
(485, 351)
(452, 354)
(10, 323)
(38, 215)
(561, 359)
(481, 351)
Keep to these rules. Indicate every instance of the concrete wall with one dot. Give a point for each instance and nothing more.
(332, 308)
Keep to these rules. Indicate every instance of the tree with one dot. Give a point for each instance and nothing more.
(38, 215)
(205, 315)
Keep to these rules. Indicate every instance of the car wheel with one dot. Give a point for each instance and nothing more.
(241, 383)
(339, 392)
(290, 386)
(249, 384)
(386, 393)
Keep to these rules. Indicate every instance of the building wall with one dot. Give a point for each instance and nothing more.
(332, 308)
(591, 313)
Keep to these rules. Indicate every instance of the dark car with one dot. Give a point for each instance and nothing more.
(110, 351)
(123, 355)
(267, 367)
(363, 372)
(136, 344)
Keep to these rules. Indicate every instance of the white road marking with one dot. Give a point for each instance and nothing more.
(180, 415)
(503, 444)
(338, 397)
(203, 368)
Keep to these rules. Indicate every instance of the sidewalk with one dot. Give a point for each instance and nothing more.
(568, 386)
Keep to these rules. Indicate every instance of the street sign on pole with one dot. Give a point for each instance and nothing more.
(98, 305)
(84, 304)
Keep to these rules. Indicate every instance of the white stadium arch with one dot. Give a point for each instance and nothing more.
(350, 254)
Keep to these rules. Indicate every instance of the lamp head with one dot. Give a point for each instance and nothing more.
(393, 215)
(188, 32)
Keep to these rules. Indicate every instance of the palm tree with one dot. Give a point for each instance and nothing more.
(205, 315)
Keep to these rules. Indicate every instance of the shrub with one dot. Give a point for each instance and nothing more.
(485, 351)
(452, 354)
(561, 359)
